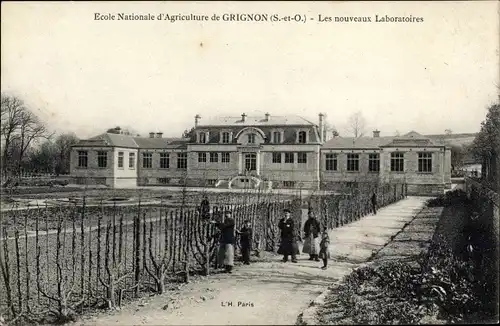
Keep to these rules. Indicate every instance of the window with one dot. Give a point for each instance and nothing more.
(289, 158)
(131, 160)
(397, 162)
(203, 137)
(214, 157)
(289, 184)
(164, 160)
(225, 138)
(331, 162)
(424, 162)
(182, 161)
(225, 158)
(202, 157)
(211, 182)
(163, 180)
(251, 138)
(120, 159)
(277, 137)
(352, 162)
(302, 137)
(102, 159)
(250, 161)
(301, 157)
(147, 160)
(373, 162)
(83, 159)
(276, 157)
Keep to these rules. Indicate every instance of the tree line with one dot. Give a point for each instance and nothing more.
(486, 147)
(27, 143)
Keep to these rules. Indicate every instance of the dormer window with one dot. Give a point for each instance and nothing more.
(251, 138)
(277, 137)
(302, 137)
(203, 137)
(225, 137)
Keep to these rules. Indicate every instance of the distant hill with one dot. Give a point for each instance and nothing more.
(454, 139)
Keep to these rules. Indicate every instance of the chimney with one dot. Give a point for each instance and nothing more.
(151, 135)
(196, 120)
(376, 133)
(159, 135)
(267, 116)
(243, 116)
(321, 128)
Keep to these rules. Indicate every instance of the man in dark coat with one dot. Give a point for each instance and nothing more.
(374, 203)
(246, 241)
(288, 245)
(205, 208)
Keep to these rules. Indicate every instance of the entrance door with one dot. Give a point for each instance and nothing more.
(250, 161)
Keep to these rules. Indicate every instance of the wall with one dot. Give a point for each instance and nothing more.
(150, 176)
(419, 183)
(305, 175)
(92, 174)
(125, 177)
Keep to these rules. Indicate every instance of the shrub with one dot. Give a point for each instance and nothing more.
(450, 198)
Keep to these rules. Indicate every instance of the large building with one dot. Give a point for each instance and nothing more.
(268, 151)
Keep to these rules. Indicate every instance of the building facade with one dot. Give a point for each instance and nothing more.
(267, 152)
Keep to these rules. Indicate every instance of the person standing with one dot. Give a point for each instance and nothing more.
(324, 252)
(205, 208)
(312, 231)
(246, 234)
(226, 242)
(288, 244)
(374, 203)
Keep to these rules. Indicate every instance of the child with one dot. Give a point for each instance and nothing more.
(324, 252)
(246, 242)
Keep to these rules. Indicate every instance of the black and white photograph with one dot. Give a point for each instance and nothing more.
(249, 163)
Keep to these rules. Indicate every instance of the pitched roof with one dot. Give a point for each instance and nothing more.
(119, 140)
(161, 142)
(108, 139)
(360, 142)
(290, 120)
(412, 138)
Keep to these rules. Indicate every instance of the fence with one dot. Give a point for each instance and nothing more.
(61, 261)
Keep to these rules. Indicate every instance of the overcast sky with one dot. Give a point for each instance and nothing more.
(85, 76)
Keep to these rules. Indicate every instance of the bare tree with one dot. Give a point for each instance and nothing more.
(20, 128)
(30, 130)
(357, 124)
(63, 145)
(12, 109)
(447, 131)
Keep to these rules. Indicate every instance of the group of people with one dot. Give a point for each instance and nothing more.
(316, 238)
(316, 247)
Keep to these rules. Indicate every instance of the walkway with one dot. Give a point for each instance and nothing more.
(271, 293)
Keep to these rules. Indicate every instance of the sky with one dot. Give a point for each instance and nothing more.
(84, 75)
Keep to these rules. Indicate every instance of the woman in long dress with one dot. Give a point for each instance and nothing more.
(312, 231)
(226, 243)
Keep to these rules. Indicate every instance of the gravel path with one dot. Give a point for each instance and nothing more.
(272, 293)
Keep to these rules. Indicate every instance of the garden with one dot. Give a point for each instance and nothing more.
(455, 281)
